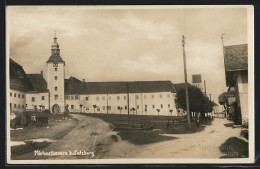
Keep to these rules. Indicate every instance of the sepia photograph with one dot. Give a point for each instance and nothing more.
(138, 84)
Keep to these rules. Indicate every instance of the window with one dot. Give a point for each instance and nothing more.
(160, 95)
(103, 97)
(18, 105)
(137, 106)
(161, 105)
(152, 96)
(33, 99)
(125, 107)
(14, 94)
(87, 108)
(153, 106)
(124, 97)
(109, 97)
(14, 105)
(67, 97)
(87, 98)
(56, 69)
(76, 97)
(56, 77)
(72, 97)
(23, 106)
(168, 95)
(19, 95)
(23, 96)
(56, 97)
(169, 106)
(98, 108)
(43, 98)
(118, 97)
(97, 98)
(56, 88)
(145, 106)
(43, 107)
(144, 96)
(72, 107)
(104, 107)
(136, 97)
(11, 94)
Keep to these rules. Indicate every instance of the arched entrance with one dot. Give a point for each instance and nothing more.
(55, 108)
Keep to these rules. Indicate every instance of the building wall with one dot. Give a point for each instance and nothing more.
(59, 83)
(140, 101)
(242, 89)
(17, 101)
(39, 99)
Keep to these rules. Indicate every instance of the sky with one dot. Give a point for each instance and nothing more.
(127, 43)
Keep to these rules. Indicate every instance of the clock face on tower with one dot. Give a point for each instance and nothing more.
(55, 64)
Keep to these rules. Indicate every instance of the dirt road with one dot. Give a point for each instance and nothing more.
(204, 144)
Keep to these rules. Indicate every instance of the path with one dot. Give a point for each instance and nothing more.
(204, 144)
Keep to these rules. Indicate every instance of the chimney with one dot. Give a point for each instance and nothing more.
(83, 80)
(42, 73)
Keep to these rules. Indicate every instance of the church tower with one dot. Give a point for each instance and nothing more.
(55, 79)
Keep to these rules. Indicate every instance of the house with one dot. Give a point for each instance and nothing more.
(236, 71)
(137, 97)
(19, 84)
(38, 96)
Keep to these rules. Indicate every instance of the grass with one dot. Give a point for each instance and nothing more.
(57, 128)
(28, 147)
(143, 137)
(234, 148)
(140, 137)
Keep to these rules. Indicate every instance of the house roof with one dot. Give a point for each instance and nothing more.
(75, 86)
(223, 96)
(18, 78)
(236, 57)
(55, 59)
(38, 82)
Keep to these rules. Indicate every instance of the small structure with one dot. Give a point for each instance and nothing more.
(236, 71)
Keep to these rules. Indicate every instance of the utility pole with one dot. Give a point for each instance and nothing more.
(205, 88)
(186, 84)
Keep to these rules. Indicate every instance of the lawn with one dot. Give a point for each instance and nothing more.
(141, 137)
(56, 129)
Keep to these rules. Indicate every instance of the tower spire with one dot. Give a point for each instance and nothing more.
(55, 38)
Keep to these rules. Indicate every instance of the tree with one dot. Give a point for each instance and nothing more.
(158, 110)
(198, 102)
(94, 106)
(119, 108)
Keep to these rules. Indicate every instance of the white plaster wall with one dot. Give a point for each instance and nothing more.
(243, 96)
(38, 100)
(164, 98)
(19, 102)
(52, 83)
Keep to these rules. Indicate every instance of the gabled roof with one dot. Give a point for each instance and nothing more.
(236, 57)
(55, 59)
(75, 86)
(38, 82)
(18, 78)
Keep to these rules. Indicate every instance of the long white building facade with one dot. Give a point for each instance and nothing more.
(50, 90)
